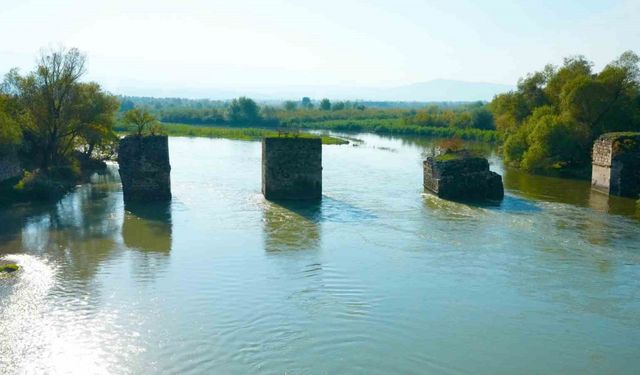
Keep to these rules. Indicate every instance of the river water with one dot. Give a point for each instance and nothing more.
(378, 278)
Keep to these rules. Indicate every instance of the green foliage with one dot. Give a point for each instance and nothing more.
(473, 116)
(291, 114)
(126, 105)
(8, 270)
(58, 113)
(482, 118)
(246, 134)
(306, 103)
(556, 143)
(49, 185)
(97, 112)
(399, 127)
(268, 116)
(244, 111)
(325, 104)
(142, 122)
(466, 120)
(290, 105)
(551, 120)
(449, 156)
(515, 146)
(301, 117)
(10, 132)
(9, 267)
(62, 127)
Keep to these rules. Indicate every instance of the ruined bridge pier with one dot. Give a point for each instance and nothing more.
(462, 178)
(292, 168)
(144, 168)
(616, 164)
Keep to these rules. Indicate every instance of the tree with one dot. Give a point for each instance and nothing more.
(338, 106)
(143, 121)
(244, 111)
(54, 105)
(290, 105)
(325, 104)
(572, 69)
(268, 115)
(306, 103)
(10, 132)
(482, 118)
(96, 113)
(509, 111)
(127, 105)
(556, 142)
(551, 120)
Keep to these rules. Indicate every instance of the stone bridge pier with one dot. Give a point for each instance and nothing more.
(292, 168)
(462, 178)
(144, 168)
(616, 164)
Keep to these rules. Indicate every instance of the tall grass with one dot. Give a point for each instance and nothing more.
(398, 127)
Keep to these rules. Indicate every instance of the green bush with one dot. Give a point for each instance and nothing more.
(38, 185)
(550, 122)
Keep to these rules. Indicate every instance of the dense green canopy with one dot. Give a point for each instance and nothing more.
(10, 132)
(551, 120)
(56, 114)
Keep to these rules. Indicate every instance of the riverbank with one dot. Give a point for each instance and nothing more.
(396, 126)
(240, 133)
(374, 126)
(53, 184)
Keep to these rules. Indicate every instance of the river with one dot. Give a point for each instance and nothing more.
(378, 278)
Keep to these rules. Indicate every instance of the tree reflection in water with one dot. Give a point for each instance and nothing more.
(79, 232)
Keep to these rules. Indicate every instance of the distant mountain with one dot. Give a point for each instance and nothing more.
(431, 91)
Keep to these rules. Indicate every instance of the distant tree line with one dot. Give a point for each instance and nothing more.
(306, 112)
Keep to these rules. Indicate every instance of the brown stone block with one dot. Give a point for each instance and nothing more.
(292, 168)
(144, 168)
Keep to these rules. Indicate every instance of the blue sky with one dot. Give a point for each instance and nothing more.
(241, 43)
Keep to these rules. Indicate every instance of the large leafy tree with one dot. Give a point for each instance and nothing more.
(306, 103)
(551, 120)
(325, 104)
(96, 113)
(10, 132)
(57, 112)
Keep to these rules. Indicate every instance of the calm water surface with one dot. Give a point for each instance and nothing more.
(379, 278)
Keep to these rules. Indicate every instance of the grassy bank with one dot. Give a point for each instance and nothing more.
(244, 134)
(377, 126)
(398, 127)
